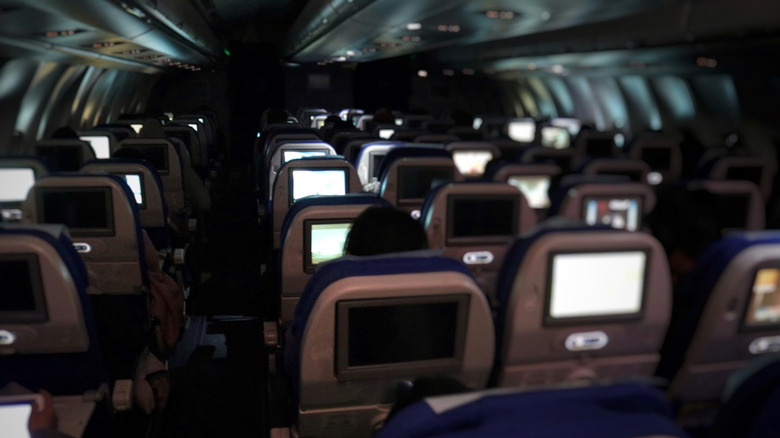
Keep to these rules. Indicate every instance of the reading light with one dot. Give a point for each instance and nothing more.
(468, 71)
(422, 73)
(413, 26)
(448, 72)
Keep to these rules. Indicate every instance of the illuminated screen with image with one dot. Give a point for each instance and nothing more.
(326, 241)
(14, 418)
(764, 307)
(15, 183)
(318, 182)
(555, 137)
(386, 133)
(100, 145)
(296, 155)
(585, 285)
(135, 182)
(523, 131)
(624, 213)
(471, 163)
(535, 188)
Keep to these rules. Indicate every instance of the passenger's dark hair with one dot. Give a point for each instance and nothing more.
(685, 220)
(383, 116)
(425, 387)
(381, 230)
(275, 115)
(65, 132)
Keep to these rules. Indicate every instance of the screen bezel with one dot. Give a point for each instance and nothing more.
(291, 184)
(400, 183)
(80, 232)
(401, 369)
(142, 205)
(480, 240)
(308, 266)
(40, 314)
(640, 200)
(549, 321)
(744, 327)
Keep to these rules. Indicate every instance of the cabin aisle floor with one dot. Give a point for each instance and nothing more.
(221, 389)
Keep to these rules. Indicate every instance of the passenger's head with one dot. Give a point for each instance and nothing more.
(686, 222)
(381, 230)
(273, 116)
(462, 117)
(65, 132)
(383, 116)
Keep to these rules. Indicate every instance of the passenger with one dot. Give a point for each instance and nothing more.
(685, 222)
(383, 116)
(65, 132)
(425, 387)
(273, 116)
(380, 230)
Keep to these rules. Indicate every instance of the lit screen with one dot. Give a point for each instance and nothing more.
(134, 182)
(399, 121)
(295, 155)
(426, 332)
(522, 131)
(100, 146)
(555, 137)
(137, 127)
(572, 125)
(193, 126)
(471, 163)
(327, 241)
(619, 213)
(535, 189)
(386, 133)
(14, 418)
(318, 182)
(764, 307)
(15, 183)
(477, 123)
(319, 123)
(596, 284)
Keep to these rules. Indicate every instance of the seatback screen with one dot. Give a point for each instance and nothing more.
(555, 137)
(15, 417)
(523, 131)
(61, 158)
(622, 213)
(471, 163)
(595, 284)
(535, 188)
(764, 307)
(657, 158)
(482, 216)
(86, 211)
(414, 182)
(156, 155)
(325, 241)
(21, 300)
(306, 182)
(391, 334)
(15, 183)
(100, 145)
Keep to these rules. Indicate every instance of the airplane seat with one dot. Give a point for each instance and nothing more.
(166, 161)
(343, 357)
(636, 170)
(565, 159)
(536, 181)
(725, 315)
(351, 149)
(740, 203)
(196, 194)
(314, 224)
(49, 334)
(147, 189)
(105, 227)
(438, 126)
(408, 173)
(64, 155)
(436, 138)
(592, 143)
(341, 139)
(757, 170)
(472, 157)
(604, 200)
(581, 303)
(266, 145)
(751, 403)
(17, 176)
(474, 222)
(369, 158)
(416, 121)
(401, 134)
(297, 179)
(365, 123)
(466, 133)
(292, 150)
(120, 131)
(103, 143)
(625, 410)
(200, 156)
(663, 155)
(189, 137)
